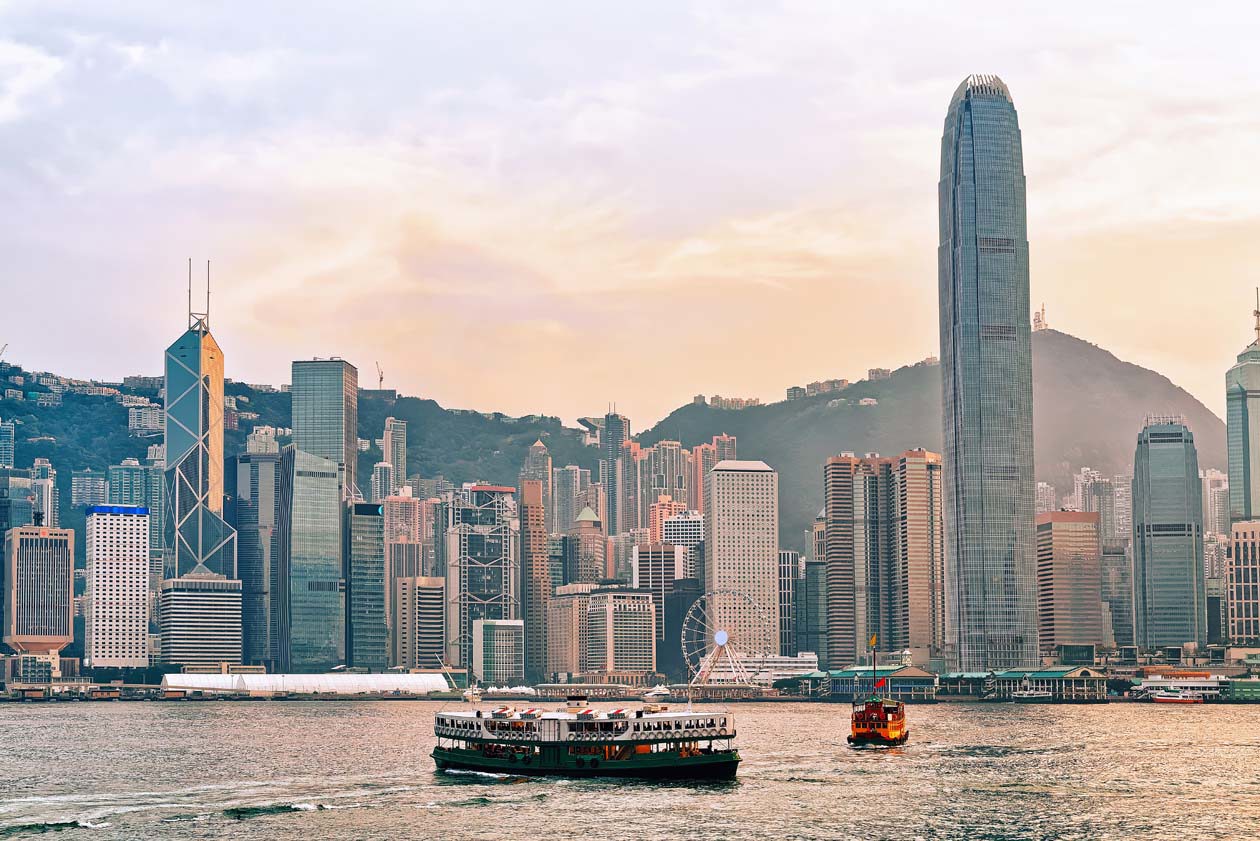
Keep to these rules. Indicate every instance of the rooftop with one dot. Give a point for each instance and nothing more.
(735, 465)
(982, 85)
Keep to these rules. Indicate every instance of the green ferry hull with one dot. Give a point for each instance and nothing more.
(711, 766)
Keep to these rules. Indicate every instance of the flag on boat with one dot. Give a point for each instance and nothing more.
(879, 683)
(873, 636)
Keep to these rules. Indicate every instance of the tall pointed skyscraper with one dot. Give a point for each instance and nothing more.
(1242, 418)
(986, 379)
(199, 606)
(198, 538)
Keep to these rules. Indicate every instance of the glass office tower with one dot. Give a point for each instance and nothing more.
(1169, 599)
(986, 379)
(1242, 418)
(326, 413)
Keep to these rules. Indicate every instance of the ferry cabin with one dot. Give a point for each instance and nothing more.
(586, 738)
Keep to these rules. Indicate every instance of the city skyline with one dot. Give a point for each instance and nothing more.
(429, 197)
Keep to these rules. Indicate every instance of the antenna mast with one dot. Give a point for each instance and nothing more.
(1256, 313)
(207, 294)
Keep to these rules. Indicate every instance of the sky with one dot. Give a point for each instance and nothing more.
(550, 207)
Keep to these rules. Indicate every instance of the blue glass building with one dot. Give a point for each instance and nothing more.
(367, 637)
(986, 378)
(1242, 419)
(1169, 598)
(308, 589)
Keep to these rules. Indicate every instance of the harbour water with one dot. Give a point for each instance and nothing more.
(309, 770)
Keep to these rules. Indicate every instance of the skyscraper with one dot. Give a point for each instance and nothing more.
(1169, 601)
(308, 586)
(1242, 419)
(986, 380)
(885, 554)
(615, 434)
(1069, 580)
(654, 569)
(8, 435)
(536, 567)
(537, 468)
(479, 537)
(394, 450)
(587, 561)
(789, 573)
(620, 636)
(383, 482)
(198, 542)
(38, 604)
(17, 498)
(741, 551)
(1242, 584)
(325, 396)
(566, 484)
(419, 633)
(258, 550)
(367, 637)
(44, 492)
(1117, 591)
(116, 615)
(143, 485)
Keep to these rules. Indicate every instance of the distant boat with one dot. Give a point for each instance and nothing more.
(1176, 696)
(1032, 696)
(656, 693)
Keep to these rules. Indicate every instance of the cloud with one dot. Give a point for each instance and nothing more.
(26, 74)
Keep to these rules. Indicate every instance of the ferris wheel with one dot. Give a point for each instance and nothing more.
(722, 634)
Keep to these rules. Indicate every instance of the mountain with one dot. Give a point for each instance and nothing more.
(1088, 407)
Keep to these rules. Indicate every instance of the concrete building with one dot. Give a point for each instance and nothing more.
(308, 592)
(1169, 599)
(1215, 495)
(885, 555)
(1047, 498)
(1069, 580)
(46, 504)
(686, 530)
(419, 631)
(654, 569)
(537, 468)
(8, 439)
(382, 481)
(116, 610)
(37, 613)
(88, 487)
(588, 561)
(367, 635)
(536, 569)
(741, 520)
(566, 628)
(394, 450)
(326, 414)
(620, 637)
(789, 573)
(498, 652)
(986, 381)
(199, 615)
(1242, 584)
(664, 507)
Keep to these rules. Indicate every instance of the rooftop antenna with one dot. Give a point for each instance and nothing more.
(189, 291)
(207, 294)
(1256, 313)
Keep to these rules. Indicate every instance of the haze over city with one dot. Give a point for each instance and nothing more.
(503, 202)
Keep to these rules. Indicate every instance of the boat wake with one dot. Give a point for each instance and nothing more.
(47, 826)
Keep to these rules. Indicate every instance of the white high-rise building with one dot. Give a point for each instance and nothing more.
(1080, 485)
(382, 481)
(686, 530)
(1046, 498)
(116, 615)
(1215, 501)
(741, 551)
(394, 451)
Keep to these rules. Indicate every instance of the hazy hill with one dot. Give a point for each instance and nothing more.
(1088, 409)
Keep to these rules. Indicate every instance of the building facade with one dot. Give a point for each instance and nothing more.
(741, 521)
(620, 637)
(37, 616)
(367, 634)
(257, 550)
(325, 394)
(308, 590)
(482, 563)
(1169, 600)
(536, 567)
(394, 450)
(498, 651)
(1242, 421)
(1069, 580)
(986, 380)
(1242, 584)
(116, 610)
(199, 617)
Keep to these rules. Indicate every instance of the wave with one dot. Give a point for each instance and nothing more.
(241, 813)
(47, 826)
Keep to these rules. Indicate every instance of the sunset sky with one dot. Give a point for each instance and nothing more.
(546, 207)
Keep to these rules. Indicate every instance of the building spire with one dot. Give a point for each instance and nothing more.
(1256, 313)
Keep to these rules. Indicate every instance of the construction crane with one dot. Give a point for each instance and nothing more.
(380, 377)
(6, 347)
